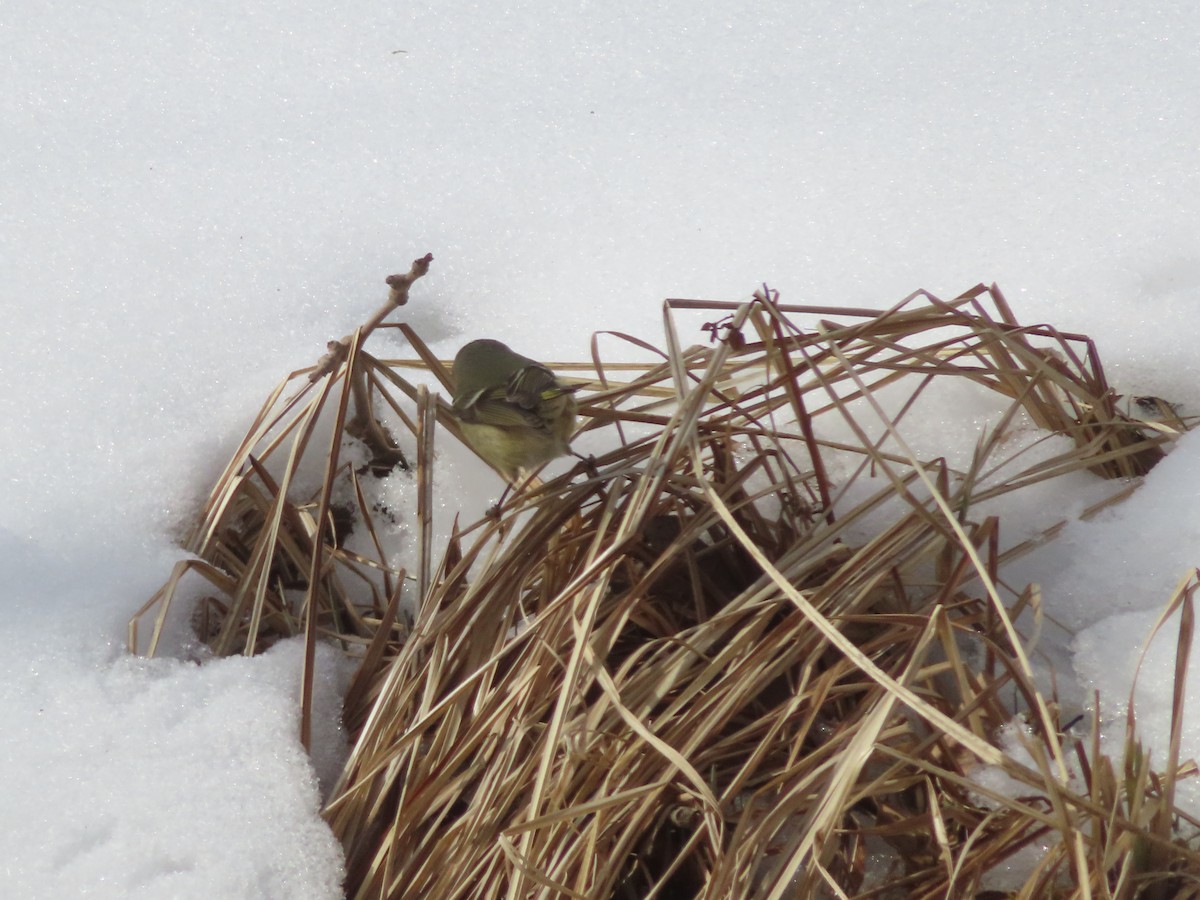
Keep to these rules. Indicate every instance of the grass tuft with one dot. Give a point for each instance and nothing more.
(766, 650)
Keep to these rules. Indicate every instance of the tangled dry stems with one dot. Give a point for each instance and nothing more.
(763, 651)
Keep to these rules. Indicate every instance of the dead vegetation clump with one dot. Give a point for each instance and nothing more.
(763, 650)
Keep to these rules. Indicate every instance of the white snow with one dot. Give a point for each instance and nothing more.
(196, 197)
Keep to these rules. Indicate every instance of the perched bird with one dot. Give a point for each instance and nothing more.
(514, 412)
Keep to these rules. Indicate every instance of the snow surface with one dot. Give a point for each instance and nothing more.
(196, 197)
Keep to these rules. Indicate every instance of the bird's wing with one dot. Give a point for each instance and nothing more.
(518, 404)
(531, 385)
(493, 408)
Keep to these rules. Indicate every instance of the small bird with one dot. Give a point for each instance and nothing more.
(514, 412)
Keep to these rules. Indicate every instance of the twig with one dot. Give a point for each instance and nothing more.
(397, 296)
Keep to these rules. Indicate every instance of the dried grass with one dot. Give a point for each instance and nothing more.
(764, 651)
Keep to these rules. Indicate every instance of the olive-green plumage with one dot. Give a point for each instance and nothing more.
(514, 412)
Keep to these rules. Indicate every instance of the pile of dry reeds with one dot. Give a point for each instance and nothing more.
(762, 650)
